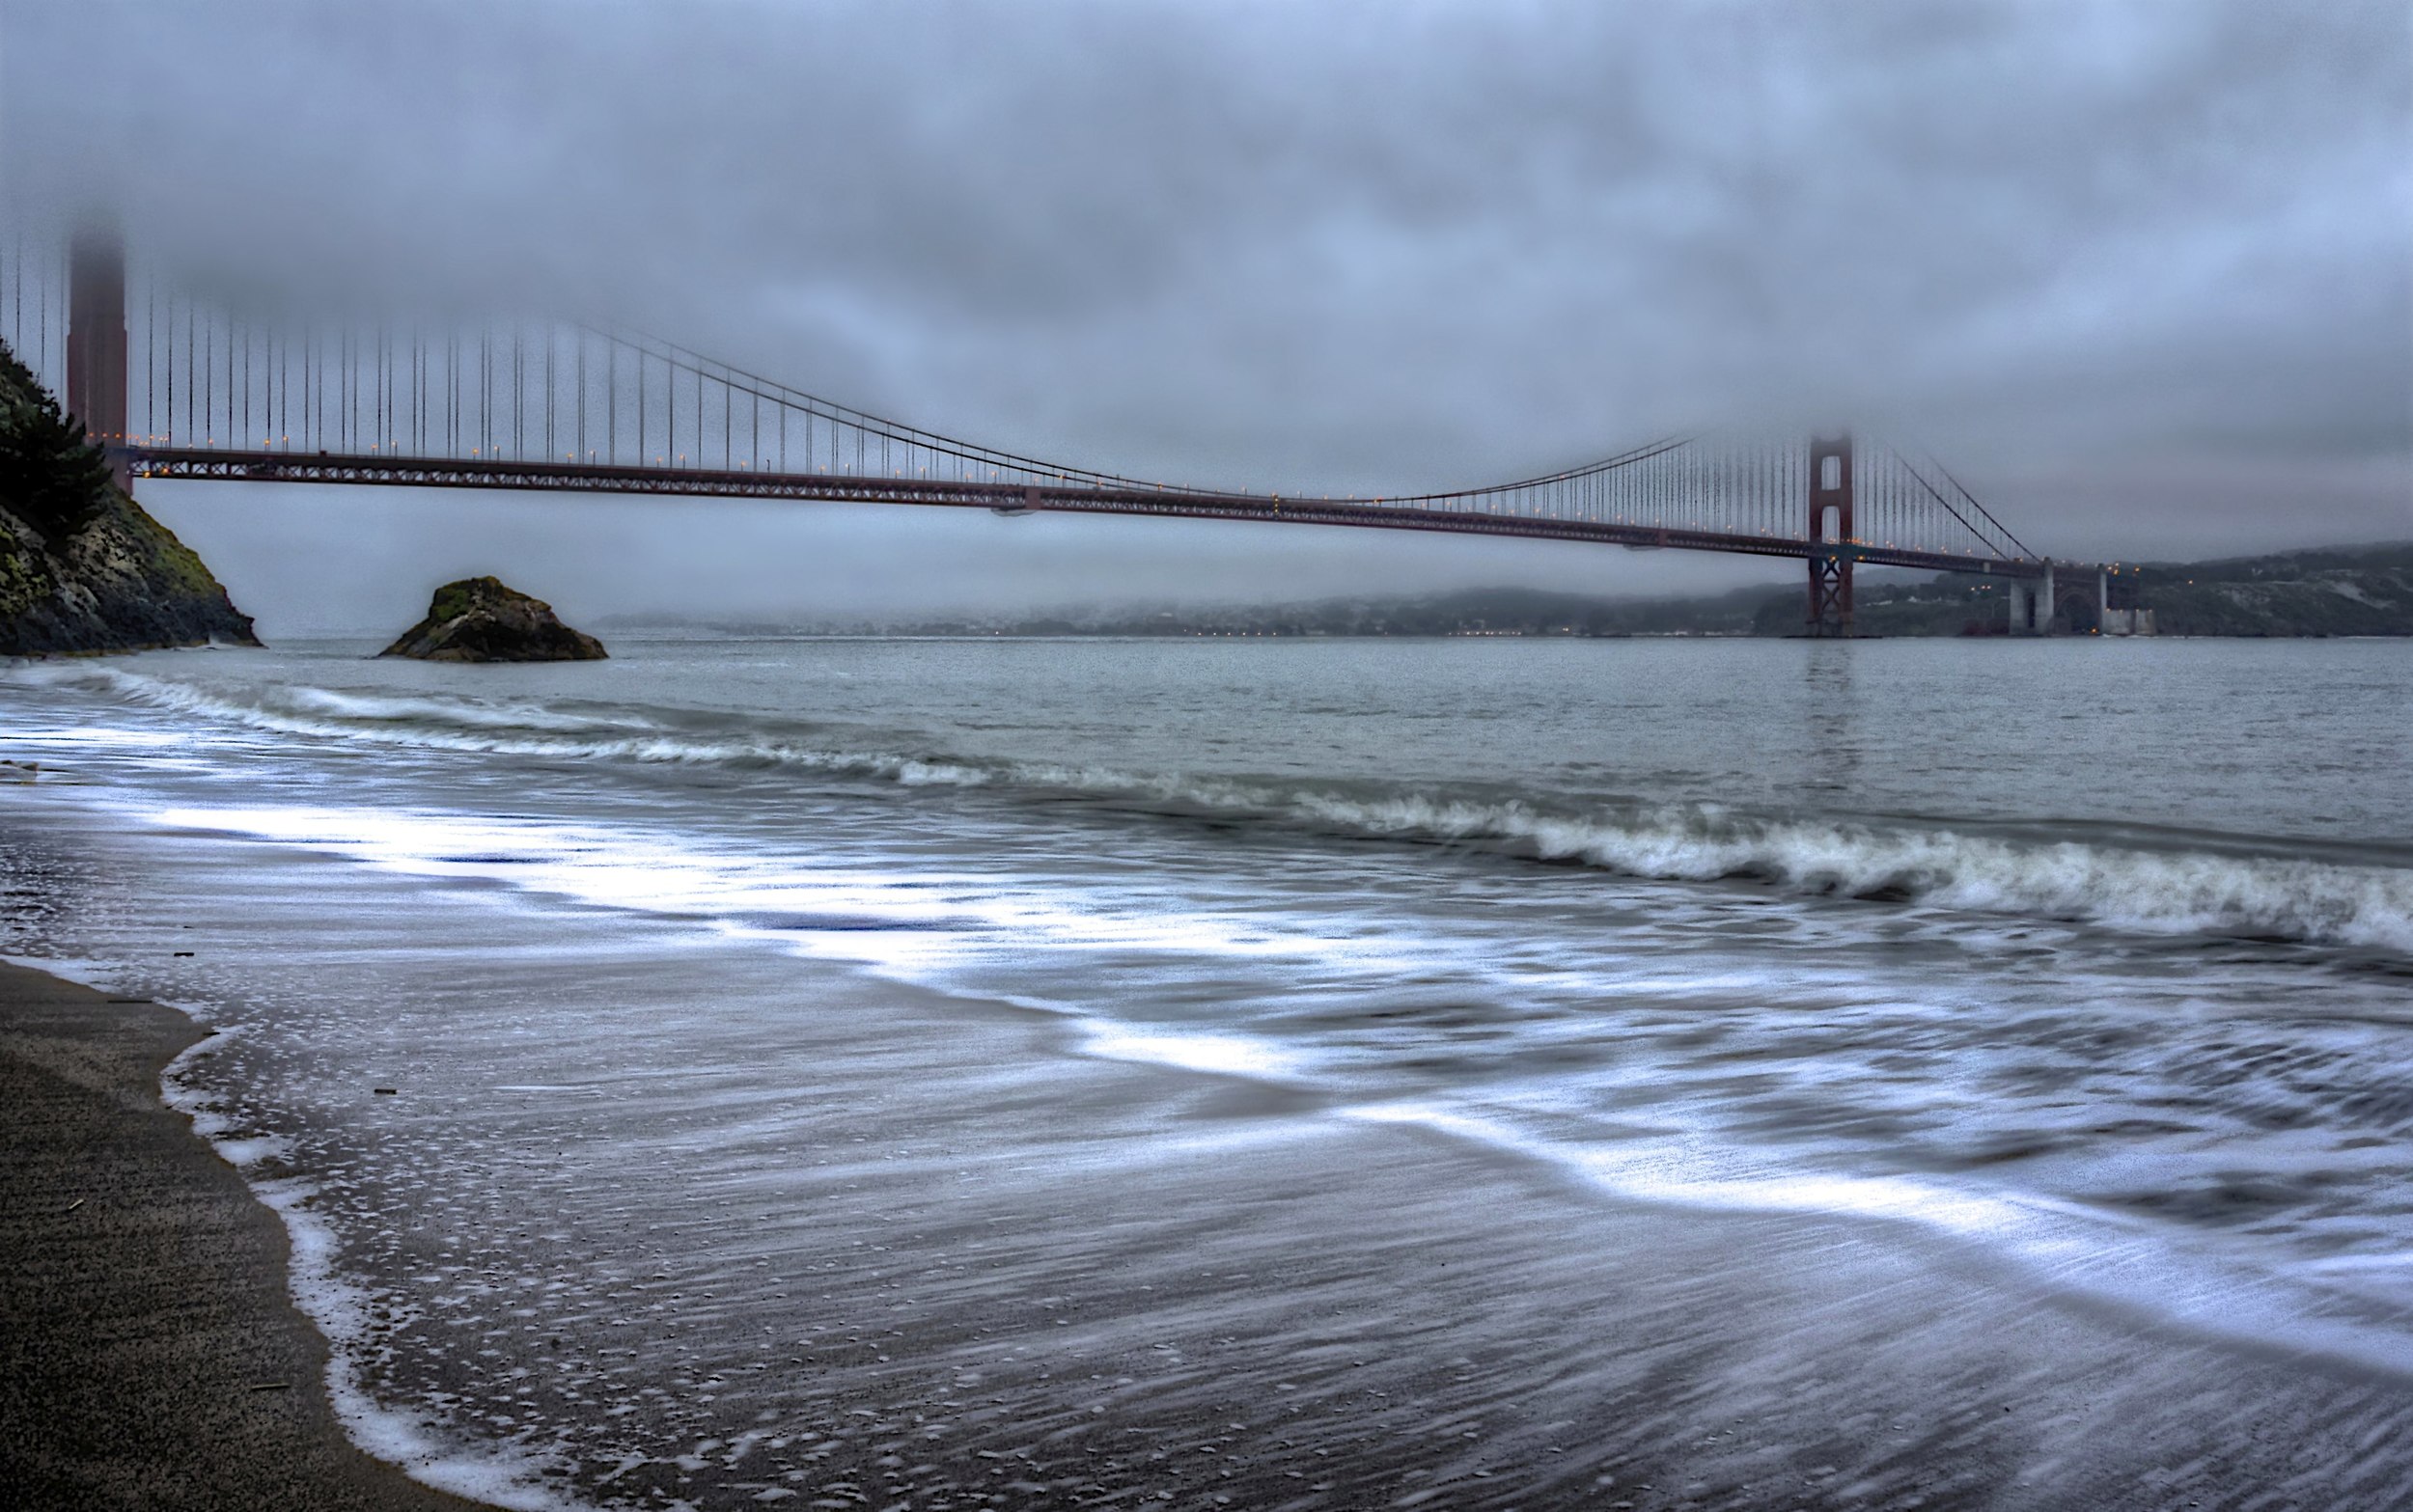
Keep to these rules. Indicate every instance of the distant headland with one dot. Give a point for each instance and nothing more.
(2346, 591)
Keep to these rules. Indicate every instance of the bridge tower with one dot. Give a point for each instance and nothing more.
(96, 341)
(1830, 564)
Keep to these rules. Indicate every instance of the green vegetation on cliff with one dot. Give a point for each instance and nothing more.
(82, 568)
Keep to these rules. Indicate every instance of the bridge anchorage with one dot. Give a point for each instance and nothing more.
(177, 385)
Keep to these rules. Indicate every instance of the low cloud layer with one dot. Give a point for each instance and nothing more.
(2143, 271)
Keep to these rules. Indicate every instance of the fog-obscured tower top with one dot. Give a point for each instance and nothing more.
(95, 334)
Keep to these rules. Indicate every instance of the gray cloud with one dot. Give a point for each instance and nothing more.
(2142, 270)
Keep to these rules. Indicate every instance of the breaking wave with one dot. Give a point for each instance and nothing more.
(2171, 889)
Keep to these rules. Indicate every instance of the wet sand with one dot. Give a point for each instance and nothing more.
(150, 1356)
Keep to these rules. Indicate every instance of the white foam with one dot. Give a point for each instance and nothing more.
(2157, 891)
(2147, 1269)
(342, 1313)
(99, 975)
(1221, 1055)
(909, 926)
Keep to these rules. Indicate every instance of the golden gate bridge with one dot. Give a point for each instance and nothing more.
(178, 385)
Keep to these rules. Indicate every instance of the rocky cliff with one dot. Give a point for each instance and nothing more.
(82, 568)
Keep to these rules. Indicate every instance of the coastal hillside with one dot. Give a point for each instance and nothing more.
(82, 568)
(2350, 591)
(2329, 592)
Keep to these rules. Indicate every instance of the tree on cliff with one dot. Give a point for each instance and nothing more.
(51, 476)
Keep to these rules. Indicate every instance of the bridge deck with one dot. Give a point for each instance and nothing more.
(318, 467)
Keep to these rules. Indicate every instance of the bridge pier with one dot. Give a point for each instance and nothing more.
(1830, 561)
(2127, 615)
(96, 342)
(2032, 604)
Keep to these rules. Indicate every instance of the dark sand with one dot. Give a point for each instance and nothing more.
(150, 1355)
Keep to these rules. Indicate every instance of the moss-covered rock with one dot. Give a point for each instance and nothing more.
(82, 568)
(479, 619)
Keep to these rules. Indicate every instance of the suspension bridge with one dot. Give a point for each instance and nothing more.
(178, 385)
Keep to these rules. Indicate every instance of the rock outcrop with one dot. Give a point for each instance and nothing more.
(82, 568)
(479, 620)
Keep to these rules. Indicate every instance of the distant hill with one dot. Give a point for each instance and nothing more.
(2339, 591)
(2335, 591)
(1495, 611)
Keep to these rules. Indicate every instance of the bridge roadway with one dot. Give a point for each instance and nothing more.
(221, 464)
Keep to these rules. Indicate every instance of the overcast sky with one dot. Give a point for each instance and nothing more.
(2142, 271)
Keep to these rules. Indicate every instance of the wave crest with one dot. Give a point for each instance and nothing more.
(2173, 889)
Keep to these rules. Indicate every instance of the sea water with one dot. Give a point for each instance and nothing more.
(2086, 965)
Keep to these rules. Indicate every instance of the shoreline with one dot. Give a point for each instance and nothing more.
(153, 1356)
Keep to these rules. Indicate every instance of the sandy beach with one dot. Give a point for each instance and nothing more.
(150, 1356)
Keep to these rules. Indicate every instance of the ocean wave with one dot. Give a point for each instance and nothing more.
(2164, 891)
(2170, 889)
(439, 723)
(302, 708)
